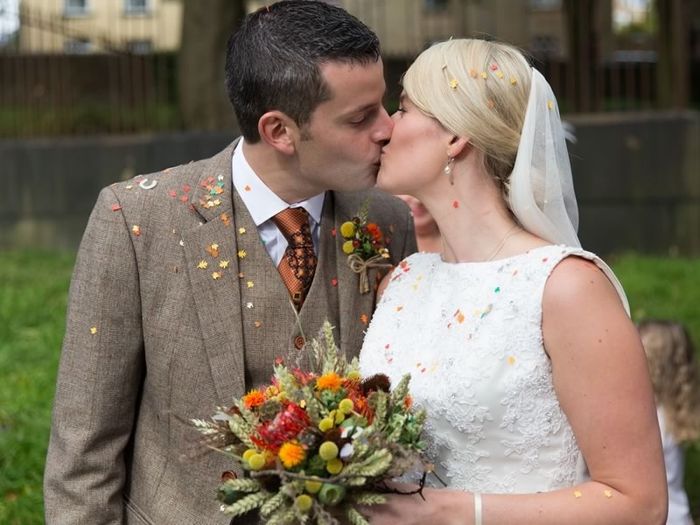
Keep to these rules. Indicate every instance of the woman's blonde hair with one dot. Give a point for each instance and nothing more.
(674, 375)
(478, 90)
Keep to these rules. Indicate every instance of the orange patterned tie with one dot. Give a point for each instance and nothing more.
(298, 263)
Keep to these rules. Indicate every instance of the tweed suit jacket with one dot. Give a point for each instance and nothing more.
(168, 318)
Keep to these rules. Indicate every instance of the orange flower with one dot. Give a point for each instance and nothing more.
(253, 399)
(374, 231)
(291, 454)
(329, 381)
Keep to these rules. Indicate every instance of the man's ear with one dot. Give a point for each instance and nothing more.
(458, 146)
(279, 131)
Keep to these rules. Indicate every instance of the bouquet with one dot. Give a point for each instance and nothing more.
(313, 445)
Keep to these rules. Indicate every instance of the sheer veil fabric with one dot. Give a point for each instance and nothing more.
(541, 193)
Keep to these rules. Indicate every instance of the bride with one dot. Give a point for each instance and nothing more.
(518, 341)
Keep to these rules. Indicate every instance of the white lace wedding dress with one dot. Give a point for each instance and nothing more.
(470, 335)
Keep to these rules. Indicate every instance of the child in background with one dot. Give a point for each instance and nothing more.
(676, 380)
(427, 231)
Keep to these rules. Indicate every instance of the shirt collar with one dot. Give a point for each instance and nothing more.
(261, 201)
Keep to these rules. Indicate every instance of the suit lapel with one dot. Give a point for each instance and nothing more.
(212, 265)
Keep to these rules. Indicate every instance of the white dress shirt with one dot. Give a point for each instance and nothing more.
(263, 204)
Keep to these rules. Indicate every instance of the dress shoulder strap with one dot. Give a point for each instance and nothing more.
(571, 251)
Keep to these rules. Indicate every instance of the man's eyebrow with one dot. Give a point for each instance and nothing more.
(366, 107)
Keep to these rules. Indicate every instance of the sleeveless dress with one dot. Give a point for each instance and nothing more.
(470, 335)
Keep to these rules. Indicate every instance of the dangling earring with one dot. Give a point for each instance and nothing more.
(448, 170)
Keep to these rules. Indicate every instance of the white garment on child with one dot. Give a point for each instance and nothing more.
(674, 455)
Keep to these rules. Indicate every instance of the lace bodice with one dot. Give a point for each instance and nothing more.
(470, 334)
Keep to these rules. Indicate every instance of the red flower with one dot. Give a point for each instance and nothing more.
(303, 377)
(285, 427)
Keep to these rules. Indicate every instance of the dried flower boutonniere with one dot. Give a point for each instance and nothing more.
(365, 245)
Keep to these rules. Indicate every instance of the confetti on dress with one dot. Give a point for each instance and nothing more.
(93, 330)
(203, 265)
(136, 230)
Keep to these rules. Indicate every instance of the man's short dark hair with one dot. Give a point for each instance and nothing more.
(273, 60)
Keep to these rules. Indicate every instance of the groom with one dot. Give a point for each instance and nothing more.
(188, 283)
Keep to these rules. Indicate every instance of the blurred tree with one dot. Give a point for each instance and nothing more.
(206, 26)
(582, 17)
(673, 68)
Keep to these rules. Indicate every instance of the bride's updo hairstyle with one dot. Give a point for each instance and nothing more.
(477, 90)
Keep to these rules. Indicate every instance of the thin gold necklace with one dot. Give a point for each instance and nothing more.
(515, 229)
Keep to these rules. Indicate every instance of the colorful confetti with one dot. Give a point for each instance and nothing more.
(258, 324)
(216, 275)
(511, 360)
(334, 282)
(250, 284)
(550, 104)
(93, 330)
(455, 204)
(213, 250)
(454, 83)
(249, 305)
(473, 73)
(242, 254)
(116, 207)
(608, 493)
(364, 319)
(247, 187)
(577, 494)
(223, 264)
(225, 218)
(513, 81)
(203, 265)
(484, 75)
(241, 230)
(136, 230)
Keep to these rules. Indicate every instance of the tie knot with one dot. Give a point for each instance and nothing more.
(294, 225)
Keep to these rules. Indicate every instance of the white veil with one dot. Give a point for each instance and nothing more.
(541, 193)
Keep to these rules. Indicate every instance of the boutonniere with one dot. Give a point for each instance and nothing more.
(365, 245)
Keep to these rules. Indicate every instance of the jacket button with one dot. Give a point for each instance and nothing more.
(299, 342)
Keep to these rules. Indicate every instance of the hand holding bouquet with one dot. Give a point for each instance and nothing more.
(313, 445)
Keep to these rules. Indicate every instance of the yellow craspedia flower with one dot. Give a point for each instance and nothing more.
(291, 454)
(347, 229)
(329, 381)
(348, 247)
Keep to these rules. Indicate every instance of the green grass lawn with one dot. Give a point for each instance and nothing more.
(32, 309)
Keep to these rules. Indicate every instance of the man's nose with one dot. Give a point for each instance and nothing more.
(385, 125)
